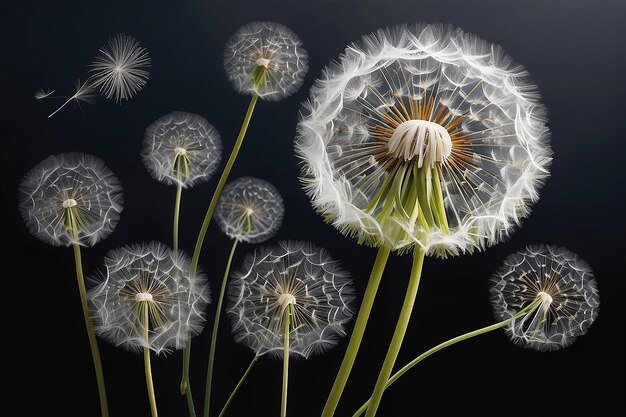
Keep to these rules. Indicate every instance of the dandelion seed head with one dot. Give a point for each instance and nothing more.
(181, 148)
(148, 279)
(267, 59)
(564, 283)
(424, 135)
(70, 198)
(250, 210)
(296, 278)
(120, 70)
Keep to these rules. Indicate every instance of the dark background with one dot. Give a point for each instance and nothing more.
(574, 51)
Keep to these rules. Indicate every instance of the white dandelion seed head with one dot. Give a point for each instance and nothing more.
(181, 148)
(70, 198)
(148, 279)
(449, 116)
(561, 280)
(266, 59)
(295, 275)
(250, 210)
(120, 70)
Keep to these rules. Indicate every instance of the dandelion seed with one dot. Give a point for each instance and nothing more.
(84, 92)
(266, 59)
(43, 94)
(566, 287)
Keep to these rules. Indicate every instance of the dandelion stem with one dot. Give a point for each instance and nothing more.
(216, 321)
(398, 334)
(357, 333)
(146, 362)
(451, 342)
(283, 401)
(179, 192)
(93, 342)
(184, 383)
(62, 105)
(239, 384)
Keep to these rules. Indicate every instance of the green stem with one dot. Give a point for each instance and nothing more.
(447, 343)
(216, 321)
(93, 342)
(184, 383)
(398, 334)
(147, 365)
(179, 192)
(283, 402)
(357, 332)
(239, 384)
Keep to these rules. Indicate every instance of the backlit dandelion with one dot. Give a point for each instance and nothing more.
(266, 59)
(566, 287)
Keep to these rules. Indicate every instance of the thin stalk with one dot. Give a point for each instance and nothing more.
(216, 321)
(283, 401)
(239, 384)
(184, 383)
(93, 342)
(357, 333)
(62, 105)
(179, 192)
(448, 343)
(146, 362)
(398, 334)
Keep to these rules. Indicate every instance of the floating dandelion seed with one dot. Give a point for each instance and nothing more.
(266, 59)
(150, 277)
(296, 274)
(70, 198)
(566, 287)
(43, 93)
(121, 69)
(424, 135)
(181, 148)
(250, 210)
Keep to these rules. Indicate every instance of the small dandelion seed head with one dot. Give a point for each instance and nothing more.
(70, 198)
(148, 279)
(120, 70)
(181, 148)
(424, 135)
(296, 278)
(565, 286)
(267, 59)
(250, 210)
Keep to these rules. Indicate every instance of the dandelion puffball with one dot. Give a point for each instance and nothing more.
(70, 198)
(250, 210)
(181, 148)
(424, 135)
(148, 277)
(266, 59)
(561, 280)
(120, 70)
(297, 275)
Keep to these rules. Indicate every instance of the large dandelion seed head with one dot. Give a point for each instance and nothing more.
(250, 210)
(120, 70)
(266, 59)
(148, 281)
(297, 277)
(181, 148)
(561, 280)
(424, 135)
(70, 198)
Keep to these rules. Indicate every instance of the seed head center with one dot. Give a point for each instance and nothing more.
(263, 62)
(143, 296)
(546, 300)
(180, 151)
(285, 300)
(428, 141)
(70, 202)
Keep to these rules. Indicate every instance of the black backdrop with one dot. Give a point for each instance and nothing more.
(573, 49)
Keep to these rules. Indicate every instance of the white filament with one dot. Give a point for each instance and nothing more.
(143, 296)
(429, 141)
(70, 202)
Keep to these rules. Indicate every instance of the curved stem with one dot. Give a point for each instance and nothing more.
(146, 362)
(283, 401)
(93, 342)
(398, 334)
(357, 333)
(450, 342)
(179, 192)
(239, 384)
(216, 321)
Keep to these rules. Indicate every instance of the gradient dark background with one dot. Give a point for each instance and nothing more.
(575, 53)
